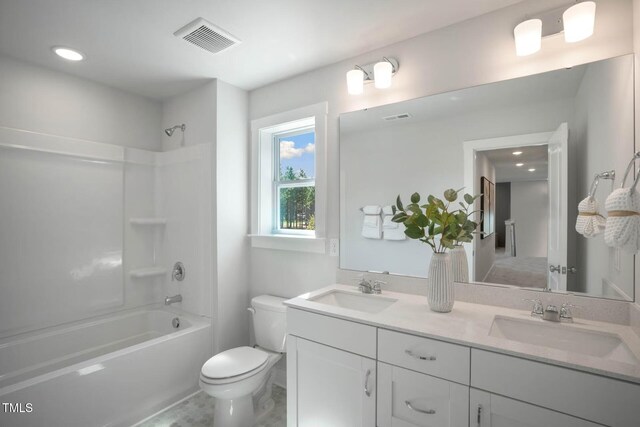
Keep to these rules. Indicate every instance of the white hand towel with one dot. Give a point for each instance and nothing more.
(372, 227)
(372, 210)
(623, 221)
(391, 230)
(589, 222)
(387, 210)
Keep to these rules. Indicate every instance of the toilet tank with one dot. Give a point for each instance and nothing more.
(269, 322)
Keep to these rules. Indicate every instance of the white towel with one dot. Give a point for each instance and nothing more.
(372, 210)
(391, 230)
(623, 221)
(371, 227)
(589, 222)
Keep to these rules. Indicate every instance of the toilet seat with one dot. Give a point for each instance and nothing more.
(234, 365)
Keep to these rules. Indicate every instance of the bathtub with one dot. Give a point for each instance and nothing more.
(112, 370)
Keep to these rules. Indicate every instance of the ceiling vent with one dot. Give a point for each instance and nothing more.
(397, 117)
(207, 36)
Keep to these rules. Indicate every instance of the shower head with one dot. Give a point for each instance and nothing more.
(169, 131)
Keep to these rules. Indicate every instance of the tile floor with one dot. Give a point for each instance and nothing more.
(197, 411)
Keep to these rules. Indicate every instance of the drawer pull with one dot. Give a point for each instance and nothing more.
(422, 411)
(366, 383)
(417, 356)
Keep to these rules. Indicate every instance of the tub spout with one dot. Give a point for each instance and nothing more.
(173, 299)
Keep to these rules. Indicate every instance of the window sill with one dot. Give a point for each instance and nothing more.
(281, 242)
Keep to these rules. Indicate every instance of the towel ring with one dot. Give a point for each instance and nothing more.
(596, 180)
(636, 156)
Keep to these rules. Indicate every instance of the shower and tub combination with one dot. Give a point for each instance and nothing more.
(89, 247)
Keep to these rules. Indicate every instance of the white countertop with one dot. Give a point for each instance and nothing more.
(469, 324)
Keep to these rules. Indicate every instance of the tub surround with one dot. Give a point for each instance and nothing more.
(469, 324)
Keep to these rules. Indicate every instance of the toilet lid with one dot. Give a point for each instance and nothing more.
(234, 362)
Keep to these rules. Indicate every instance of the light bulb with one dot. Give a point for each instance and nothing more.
(579, 21)
(528, 36)
(355, 82)
(68, 54)
(382, 72)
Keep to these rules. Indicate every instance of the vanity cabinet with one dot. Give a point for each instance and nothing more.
(407, 399)
(346, 373)
(332, 387)
(492, 410)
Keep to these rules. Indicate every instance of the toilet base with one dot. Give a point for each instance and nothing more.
(234, 412)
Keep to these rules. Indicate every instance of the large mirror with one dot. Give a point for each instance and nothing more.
(531, 146)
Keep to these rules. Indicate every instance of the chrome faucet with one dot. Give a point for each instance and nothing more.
(365, 286)
(538, 309)
(173, 299)
(565, 312)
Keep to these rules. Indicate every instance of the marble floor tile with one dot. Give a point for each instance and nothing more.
(197, 411)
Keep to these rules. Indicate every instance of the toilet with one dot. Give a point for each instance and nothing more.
(240, 378)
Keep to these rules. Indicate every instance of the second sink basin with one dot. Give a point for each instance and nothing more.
(360, 302)
(591, 343)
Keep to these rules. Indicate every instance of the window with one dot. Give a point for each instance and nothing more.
(294, 181)
(289, 179)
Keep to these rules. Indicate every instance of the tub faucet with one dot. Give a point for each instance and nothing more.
(171, 300)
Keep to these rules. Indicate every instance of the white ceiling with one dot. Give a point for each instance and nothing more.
(532, 157)
(130, 44)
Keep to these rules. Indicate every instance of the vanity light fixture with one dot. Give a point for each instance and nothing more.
(380, 72)
(576, 22)
(528, 36)
(355, 81)
(517, 153)
(532, 170)
(519, 165)
(579, 21)
(67, 53)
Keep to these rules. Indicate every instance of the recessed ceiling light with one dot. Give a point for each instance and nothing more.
(519, 164)
(517, 153)
(68, 54)
(532, 170)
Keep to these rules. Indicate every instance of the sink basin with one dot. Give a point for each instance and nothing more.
(553, 335)
(360, 302)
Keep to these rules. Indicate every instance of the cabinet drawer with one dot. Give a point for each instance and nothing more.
(410, 399)
(437, 358)
(592, 397)
(349, 336)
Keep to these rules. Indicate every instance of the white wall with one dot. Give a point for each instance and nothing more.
(213, 240)
(530, 211)
(232, 202)
(41, 100)
(485, 249)
(602, 134)
(197, 109)
(473, 52)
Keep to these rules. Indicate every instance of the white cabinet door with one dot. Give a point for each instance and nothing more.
(329, 387)
(410, 399)
(491, 410)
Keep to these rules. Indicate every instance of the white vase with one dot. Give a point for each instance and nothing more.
(459, 265)
(440, 293)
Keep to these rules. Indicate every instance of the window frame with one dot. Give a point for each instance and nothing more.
(263, 213)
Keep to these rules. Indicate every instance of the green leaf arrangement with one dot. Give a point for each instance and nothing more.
(436, 219)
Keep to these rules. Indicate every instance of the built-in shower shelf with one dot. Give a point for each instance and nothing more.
(140, 273)
(148, 221)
